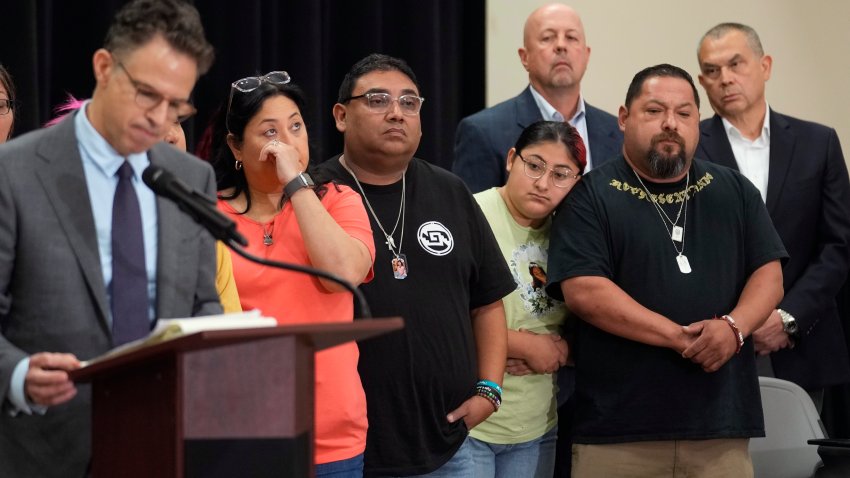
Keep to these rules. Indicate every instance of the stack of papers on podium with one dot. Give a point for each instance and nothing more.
(168, 329)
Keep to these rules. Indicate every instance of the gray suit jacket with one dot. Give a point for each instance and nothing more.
(52, 294)
(482, 140)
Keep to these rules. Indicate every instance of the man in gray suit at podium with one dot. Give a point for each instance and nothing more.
(89, 256)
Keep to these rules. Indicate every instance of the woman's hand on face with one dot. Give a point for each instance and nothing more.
(284, 157)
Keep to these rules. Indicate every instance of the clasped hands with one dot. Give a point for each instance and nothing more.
(708, 343)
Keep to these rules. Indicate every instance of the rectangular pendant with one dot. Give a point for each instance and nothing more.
(684, 265)
(399, 266)
(677, 234)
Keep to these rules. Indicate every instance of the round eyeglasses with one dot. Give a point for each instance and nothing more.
(535, 167)
(6, 106)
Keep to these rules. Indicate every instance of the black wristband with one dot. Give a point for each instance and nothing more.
(303, 180)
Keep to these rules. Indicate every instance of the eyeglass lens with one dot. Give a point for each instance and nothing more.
(251, 83)
(149, 99)
(535, 168)
(381, 102)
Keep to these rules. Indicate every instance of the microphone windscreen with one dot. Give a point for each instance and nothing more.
(153, 177)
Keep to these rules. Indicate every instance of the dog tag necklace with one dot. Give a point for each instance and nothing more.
(399, 260)
(676, 234)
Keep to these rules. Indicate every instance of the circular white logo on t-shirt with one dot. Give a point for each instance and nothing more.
(435, 238)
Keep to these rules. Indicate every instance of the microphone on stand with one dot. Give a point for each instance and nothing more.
(199, 208)
(166, 184)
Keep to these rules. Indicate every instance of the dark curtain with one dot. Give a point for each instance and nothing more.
(48, 44)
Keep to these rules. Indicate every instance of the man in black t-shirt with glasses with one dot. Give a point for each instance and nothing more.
(437, 265)
(671, 262)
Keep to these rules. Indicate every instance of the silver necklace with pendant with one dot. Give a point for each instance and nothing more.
(268, 228)
(676, 234)
(399, 261)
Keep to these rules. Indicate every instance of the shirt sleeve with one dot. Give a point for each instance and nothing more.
(493, 280)
(578, 244)
(224, 282)
(16, 395)
(346, 207)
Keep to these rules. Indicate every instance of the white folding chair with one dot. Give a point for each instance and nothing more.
(790, 420)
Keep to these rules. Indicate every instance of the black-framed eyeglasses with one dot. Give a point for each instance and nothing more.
(6, 106)
(535, 167)
(147, 98)
(251, 83)
(382, 102)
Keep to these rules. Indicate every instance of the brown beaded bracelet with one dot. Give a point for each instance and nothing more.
(491, 394)
(739, 337)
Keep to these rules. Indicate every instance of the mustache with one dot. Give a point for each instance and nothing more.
(668, 136)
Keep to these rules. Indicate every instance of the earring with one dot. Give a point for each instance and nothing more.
(237, 165)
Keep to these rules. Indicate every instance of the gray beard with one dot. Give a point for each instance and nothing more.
(666, 167)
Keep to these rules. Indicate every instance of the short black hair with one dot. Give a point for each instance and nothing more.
(373, 62)
(662, 70)
(178, 22)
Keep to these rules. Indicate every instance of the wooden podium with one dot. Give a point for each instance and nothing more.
(216, 403)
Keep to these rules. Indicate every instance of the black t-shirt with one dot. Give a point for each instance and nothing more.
(416, 376)
(627, 391)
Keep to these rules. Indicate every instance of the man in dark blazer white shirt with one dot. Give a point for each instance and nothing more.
(55, 239)
(555, 54)
(799, 168)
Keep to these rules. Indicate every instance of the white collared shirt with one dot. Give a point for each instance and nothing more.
(578, 121)
(753, 157)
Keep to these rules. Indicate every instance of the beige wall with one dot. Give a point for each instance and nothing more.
(809, 42)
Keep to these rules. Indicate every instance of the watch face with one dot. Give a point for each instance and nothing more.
(789, 324)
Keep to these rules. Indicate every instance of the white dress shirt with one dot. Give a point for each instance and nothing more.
(578, 121)
(753, 157)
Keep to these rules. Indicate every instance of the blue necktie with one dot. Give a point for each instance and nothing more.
(129, 275)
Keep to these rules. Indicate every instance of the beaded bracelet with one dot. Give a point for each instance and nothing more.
(739, 337)
(491, 391)
(491, 397)
(488, 392)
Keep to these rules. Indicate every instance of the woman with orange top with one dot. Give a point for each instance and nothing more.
(259, 149)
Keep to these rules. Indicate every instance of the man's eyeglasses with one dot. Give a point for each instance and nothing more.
(382, 102)
(147, 98)
(251, 83)
(6, 106)
(535, 167)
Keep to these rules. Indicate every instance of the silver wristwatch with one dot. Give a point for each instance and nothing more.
(789, 323)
